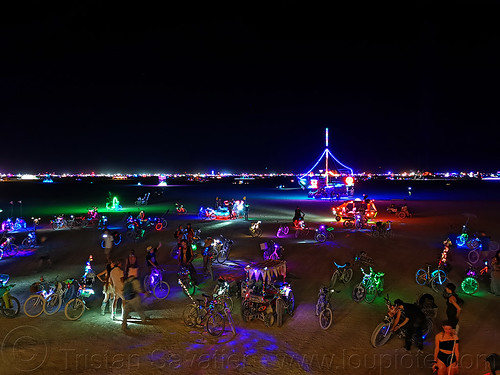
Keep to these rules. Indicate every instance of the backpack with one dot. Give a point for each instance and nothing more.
(128, 290)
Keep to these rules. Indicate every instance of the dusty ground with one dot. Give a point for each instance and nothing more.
(96, 345)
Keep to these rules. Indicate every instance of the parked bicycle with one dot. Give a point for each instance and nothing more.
(473, 275)
(186, 282)
(47, 297)
(271, 250)
(342, 272)
(202, 313)
(222, 293)
(283, 230)
(154, 283)
(382, 229)
(59, 222)
(9, 304)
(75, 307)
(7, 246)
(383, 332)
(435, 277)
(370, 286)
(255, 229)
(324, 233)
(222, 248)
(324, 308)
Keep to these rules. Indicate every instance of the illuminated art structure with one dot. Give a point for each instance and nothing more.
(335, 181)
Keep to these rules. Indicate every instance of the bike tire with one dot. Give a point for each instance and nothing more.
(401, 215)
(216, 324)
(326, 318)
(493, 246)
(280, 233)
(33, 306)
(333, 280)
(1, 253)
(146, 283)
(437, 285)
(358, 293)
(421, 277)
(161, 290)
(222, 256)
(280, 306)
(13, 311)
(286, 230)
(230, 320)
(439, 275)
(290, 299)
(338, 218)
(27, 243)
(117, 240)
(347, 275)
(228, 302)
(269, 320)
(473, 256)
(381, 334)
(319, 305)
(190, 315)
(461, 240)
(74, 309)
(469, 285)
(258, 232)
(320, 237)
(371, 294)
(52, 304)
(158, 226)
(102, 244)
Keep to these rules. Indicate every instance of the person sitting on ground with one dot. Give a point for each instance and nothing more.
(446, 354)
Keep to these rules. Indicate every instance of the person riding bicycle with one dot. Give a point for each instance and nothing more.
(414, 322)
(151, 256)
(186, 258)
(298, 217)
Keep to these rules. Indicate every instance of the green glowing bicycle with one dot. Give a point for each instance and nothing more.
(370, 286)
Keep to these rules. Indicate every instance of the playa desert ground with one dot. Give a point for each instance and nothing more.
(95, 344)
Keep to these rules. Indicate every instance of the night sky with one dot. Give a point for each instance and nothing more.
(248, 87)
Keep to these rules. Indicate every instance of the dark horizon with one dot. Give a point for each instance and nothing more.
(92, 87)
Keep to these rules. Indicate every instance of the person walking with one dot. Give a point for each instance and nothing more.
(414, 323)
(132, 294)
(107, 288)
(446, 353)
(495, 274)
(117, 278)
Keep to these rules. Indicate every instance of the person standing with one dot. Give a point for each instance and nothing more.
(414, 323)
(189, 235)
(246, 208)
(495, 274)
(186, 258)
(43, 252)
(132, 294)
(108, 243)
(107, 289)
(446, 354)
(131, 262)
(117, 278)
(453, 308)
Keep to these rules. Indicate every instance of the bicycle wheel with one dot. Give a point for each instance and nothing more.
(161, 290)
(470, 285)
(159, 226)
(74, 309)
(462, 239)
(473, 256)
(147, 283)
(381, 334)
(27, 243)
(421, 277)
(347, 275)
(117, 240)
(230, 320)
(333, 280)
(1, 253)
(437, 284)
(280, 307)
(190, 315)
(52, 304)
(12, 249)
(14, 309)
(33, 306)
(371, 293)
(493, 246)
(326, 318)
(401, 215)
(358, 293)
(227, 302)
(320, 237)
(222, 256)
(215, 324)
(439, 275)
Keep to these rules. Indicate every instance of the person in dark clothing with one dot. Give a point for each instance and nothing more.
(151, 256)
(414, 321)
(299, 215)
(453, 309)
(186, 258)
